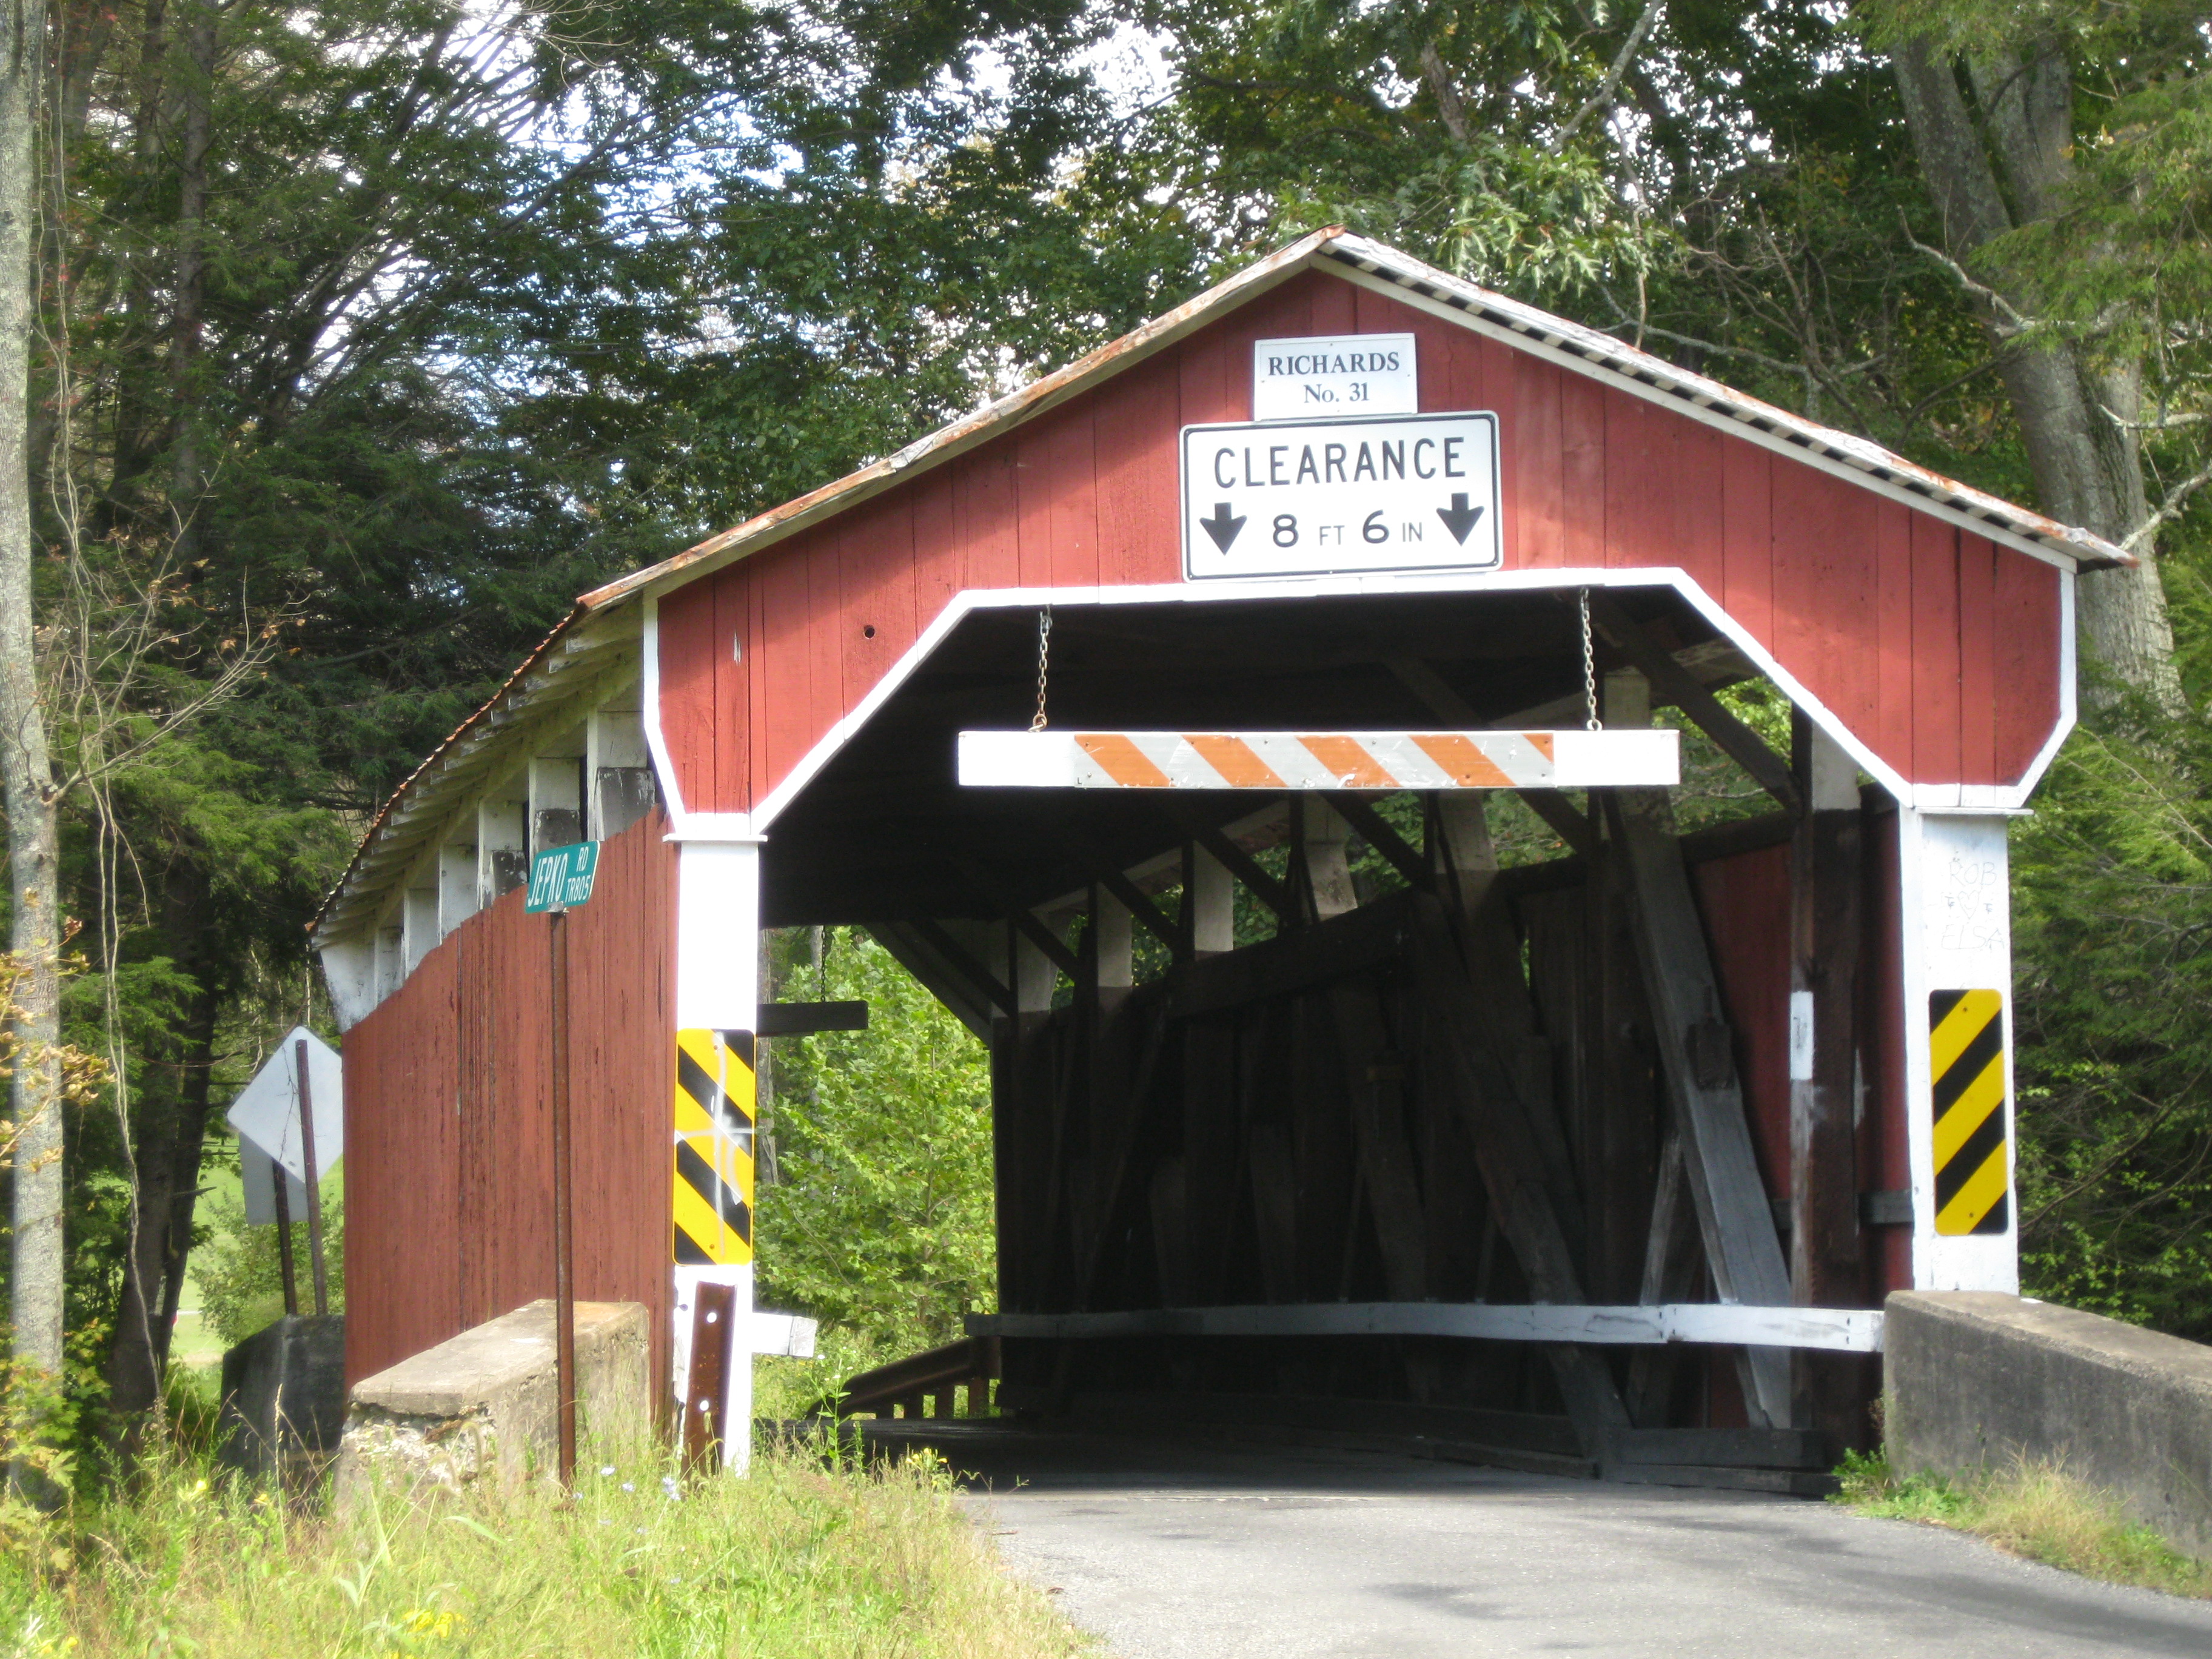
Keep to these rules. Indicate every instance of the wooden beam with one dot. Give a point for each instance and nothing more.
(1374, 830)
(1275, 895)
(1374, 1072)
(1826, 879)
(1134, 898)
(1549, 804)
(1055, 948)
(1671, 1265)
(1507, 1151)
(1696, 1057)
(1675, 684)
(809, 1018)
(1274, 1208)
(1299, 959)
(1126, 1135)
(950, 984)
(962, 962)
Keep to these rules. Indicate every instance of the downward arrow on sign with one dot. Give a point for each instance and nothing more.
(1223, 529)
(1459, 518)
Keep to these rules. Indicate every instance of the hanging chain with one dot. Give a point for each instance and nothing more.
(1044, 658)
(1589, 669)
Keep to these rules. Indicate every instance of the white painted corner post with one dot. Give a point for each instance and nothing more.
(717, 996)
(1954, 892)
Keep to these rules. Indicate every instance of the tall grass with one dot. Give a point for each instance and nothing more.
(800, 1558)
(2035, 1509)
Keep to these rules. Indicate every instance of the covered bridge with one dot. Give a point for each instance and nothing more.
(1598, 1153)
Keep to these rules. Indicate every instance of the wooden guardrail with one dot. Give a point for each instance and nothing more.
(932, 1378)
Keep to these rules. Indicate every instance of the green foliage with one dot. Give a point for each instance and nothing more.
(2113, 917)
(799, 1560)
(1411, 122)
(2033, 1509)
(880, 1221)
(240, 1274)
(36, 1428)
(475, 308)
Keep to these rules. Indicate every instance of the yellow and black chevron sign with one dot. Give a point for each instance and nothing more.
(715, 1107)
(1965, 1040)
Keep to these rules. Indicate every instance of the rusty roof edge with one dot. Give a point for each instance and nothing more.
(338, 894)
(948, 440)
(2090, 552)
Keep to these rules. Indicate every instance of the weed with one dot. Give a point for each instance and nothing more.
(2033, 1509)
(795, 1560)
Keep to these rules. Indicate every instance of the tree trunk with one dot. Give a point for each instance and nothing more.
(2088, 465)
(170, 1143)
(191, 283)
(27, 786)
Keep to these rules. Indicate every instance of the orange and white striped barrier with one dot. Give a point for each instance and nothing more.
(1633, 757)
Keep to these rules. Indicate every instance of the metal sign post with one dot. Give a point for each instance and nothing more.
(312, 1170)
(561, 879)
(276, 1174)
(291, 1122)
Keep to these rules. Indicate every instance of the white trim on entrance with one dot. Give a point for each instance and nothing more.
(1948, 797)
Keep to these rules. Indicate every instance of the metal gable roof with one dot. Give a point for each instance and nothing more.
(598, 633)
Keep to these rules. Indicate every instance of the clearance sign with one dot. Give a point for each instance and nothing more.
(1408, 492)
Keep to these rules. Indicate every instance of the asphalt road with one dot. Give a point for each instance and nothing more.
(1169, 1550)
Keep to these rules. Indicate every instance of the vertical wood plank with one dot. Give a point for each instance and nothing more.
(757, 700)
(877, 601)
(1140, 526)
(781, 578)
(1844, 573)
(1802, 625)
(1497, 390)
(1582, 502)
(1634, 532)
(937, 552)
(1883, 1133)
(732, 649)
(1745, 902)
(1203, 380)
(688, 701)
(2028, 621)
(985, 519)
(1695, 467)
(1747, 537)
(1891, 733)
(1335, 304)
(1535, 464)
(820, 679)
(1055, 493)
(402, 1188)
(1935, 650)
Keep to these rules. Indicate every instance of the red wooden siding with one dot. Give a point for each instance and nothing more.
(1939, 648)
(1745, 900)
(1885, 1157)
(449, 1183)
(403, 1173)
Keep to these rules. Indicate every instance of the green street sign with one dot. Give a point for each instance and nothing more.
(560, 877)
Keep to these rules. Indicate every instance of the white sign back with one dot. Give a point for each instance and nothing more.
(1340, 374)
(1409, 492)
(267, 1110)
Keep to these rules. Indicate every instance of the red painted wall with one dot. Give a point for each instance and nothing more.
(1745, 902)
(449, 1180)
(1939, 648)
